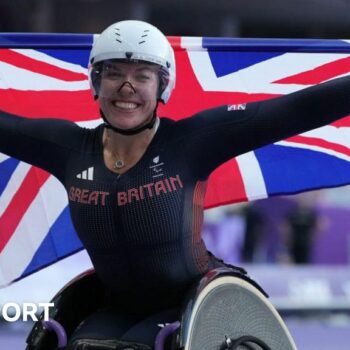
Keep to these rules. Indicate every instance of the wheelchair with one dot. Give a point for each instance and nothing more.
(225, 310)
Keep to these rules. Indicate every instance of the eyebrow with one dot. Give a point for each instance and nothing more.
(145, 68)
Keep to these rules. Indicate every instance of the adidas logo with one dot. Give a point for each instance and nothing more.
(86, 174)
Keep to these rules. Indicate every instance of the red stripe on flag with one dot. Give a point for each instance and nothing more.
(36, 66)
(175, 42)
(225, 186)
(313, 141)
(342, 123)
(191, 95)
(20, 203)
(72, 105)
(319, 74)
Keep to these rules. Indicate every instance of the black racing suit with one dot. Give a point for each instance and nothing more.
(142, 229)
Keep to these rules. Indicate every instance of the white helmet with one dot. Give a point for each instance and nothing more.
(139, 41)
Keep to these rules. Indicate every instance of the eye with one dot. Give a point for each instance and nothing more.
(143, 77)
(110, 73)
(113, 75)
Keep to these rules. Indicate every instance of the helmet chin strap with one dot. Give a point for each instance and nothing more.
(133, 131)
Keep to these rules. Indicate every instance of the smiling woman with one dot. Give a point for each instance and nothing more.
(128, 93)
(132, 69)
(137, 184)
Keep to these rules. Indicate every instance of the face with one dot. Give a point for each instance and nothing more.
(128, 93)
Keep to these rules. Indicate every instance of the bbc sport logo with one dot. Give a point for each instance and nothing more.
(12, 312)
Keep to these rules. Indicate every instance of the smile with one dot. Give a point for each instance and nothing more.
(125, 105)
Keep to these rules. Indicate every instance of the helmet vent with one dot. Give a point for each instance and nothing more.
(143, 36)
(118, 34)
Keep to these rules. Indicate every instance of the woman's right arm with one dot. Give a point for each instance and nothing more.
(45, 143)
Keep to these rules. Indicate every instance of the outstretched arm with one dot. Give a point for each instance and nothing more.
(45, 143)
(217, 135)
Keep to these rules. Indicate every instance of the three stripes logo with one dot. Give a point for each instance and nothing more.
(87, 174)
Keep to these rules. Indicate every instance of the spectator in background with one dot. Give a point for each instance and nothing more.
(225, 239)
(252, 232)
(300, 227)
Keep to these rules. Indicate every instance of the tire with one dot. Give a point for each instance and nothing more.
(230, 307)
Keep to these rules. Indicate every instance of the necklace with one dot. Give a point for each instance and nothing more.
(120, 163)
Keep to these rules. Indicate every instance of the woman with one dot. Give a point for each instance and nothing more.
(136, 183)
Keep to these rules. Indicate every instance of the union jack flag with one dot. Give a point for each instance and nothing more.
(46, 76)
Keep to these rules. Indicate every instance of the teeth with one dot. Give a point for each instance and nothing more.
(125, 105)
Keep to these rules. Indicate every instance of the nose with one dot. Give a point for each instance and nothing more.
(127, 87)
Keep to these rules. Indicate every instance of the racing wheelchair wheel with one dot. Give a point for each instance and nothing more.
(75, 301)
(230, 311)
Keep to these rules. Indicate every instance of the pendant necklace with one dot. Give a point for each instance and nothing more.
(118, 162)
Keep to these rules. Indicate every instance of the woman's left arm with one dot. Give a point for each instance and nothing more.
(214, 136)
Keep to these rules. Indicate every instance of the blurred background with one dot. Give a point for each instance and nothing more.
(253, 18)
(296, 247)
